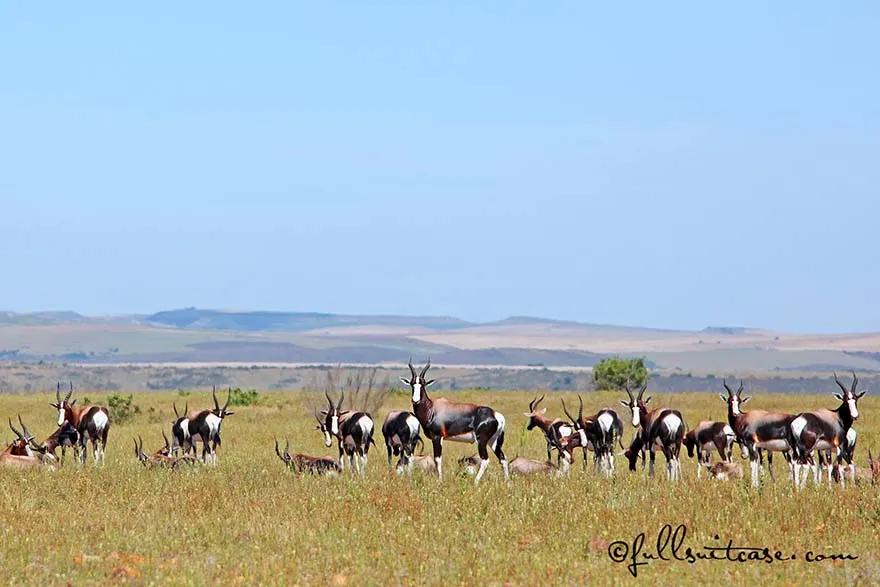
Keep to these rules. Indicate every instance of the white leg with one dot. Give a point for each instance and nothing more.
(504, 468)
(754, 466)
(439, 463)
(483, 464)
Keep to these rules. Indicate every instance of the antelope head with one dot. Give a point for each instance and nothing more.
(218, 411)
(330, 426)
(24, 440)
(577, 423)
(533, 407)
(636, 404)
(850, 397)
(63, 405)
(417, 383)
(734, 399)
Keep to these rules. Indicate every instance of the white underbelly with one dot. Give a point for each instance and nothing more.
(466, 437)
(778, 445)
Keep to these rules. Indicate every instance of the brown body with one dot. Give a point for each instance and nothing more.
(91, 422)
(724, 471)
(556, 430)
(706, 436)
(299, 463)
(526, 466)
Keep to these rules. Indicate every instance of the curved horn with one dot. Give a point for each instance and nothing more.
(538, 402)
(277, 449)
(174, 405)
(567, 413)
(287, 448)
(642, 390)
(214, 395)
(727, 387)
(69, 393)
(629, 393)
(341, 397)
(839, 384)
(411, 368)
(228, 397)
(186, 410)
(143, 454)
(137, 451)
(425, 368)
(739, 389)
(17, 433)
(58, 392)
(27, 434)
(317, 417)
(580, 408)
(167, 444)
(855, 383)
(532, 406)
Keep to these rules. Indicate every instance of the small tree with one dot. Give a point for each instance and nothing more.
(615, 373)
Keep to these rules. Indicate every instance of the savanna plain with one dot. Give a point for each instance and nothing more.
(250, 521)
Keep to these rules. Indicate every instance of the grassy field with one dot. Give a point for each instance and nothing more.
(250, 521)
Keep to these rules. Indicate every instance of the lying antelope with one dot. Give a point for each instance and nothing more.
(180, 435)
(708, 435)
(460, 422)
(19, 453)
(401, 432)
(91, 422)
(421, 462)
(757, 431)
(204, 427)
(823, 430)
(556, 431)
(352, 430)
(162, 458)
(874, 465)
(520, 466)
(725, 470)
(299, 463)
(598, 433)
(661, 428)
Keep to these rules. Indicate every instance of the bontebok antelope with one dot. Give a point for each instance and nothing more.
(401, 432)
(180, 436)
(824, 430)
(661, 428)
(442, 420)
(92, 423)
(757, 431)
(598, 433)
(19, 453)
(299, 463)
(706, 436)
(205, 427)
(556, 430)
(65, 436)
(352, 430)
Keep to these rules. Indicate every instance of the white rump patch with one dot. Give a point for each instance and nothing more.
(413, 423)
(728, 431)
(366, 426)
(851, 437)
(565, 431)
(583, 436)
(672, 423)
(606, 421)
(100, 421)
(798, 425)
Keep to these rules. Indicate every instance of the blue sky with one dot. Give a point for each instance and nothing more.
(670, 166)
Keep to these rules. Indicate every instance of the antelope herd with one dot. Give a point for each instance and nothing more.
(800, 437)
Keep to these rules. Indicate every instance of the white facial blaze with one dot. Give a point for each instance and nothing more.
(734, 406)
(853, 409)
(61, 416)
(334, 425)
(416, 392)
(635, 411)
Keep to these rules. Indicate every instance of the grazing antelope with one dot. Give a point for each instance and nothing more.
(556, 431)
(299, 463)
(180, 435)
(352, 430)
(92, 423)
(661, 428)
(757, 431)
(442, 420)
(823, 430)
(635, 450)
(725, 470)
(204, 427)
(598, 433)
(708, 435)
(401, 432)
(65, 436)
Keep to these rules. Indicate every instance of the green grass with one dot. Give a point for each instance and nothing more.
(249, 521)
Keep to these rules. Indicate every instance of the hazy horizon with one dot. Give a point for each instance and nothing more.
(670, 167)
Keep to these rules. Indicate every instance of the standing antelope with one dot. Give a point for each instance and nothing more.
(91, 422)
(205, 427)
(823, 430)
(661, 428)
(847, 455)
(598, 433)
(757, 431)
(556, 431)
(708, 435)
(401, 432)
(352, 430)
(65, 436)
(180, 436)
(442, 420)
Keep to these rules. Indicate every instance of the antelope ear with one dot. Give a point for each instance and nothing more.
(724, 399)
(323, 412)
(527, 414)
(838, 396)
(624, 403)
(405, 380)
(745, 399)
(226, 413)
(73, 403)
(648, 399)
(429, 382)
(859, 395)
(54, 406)
(544, 411)
(344, 412)
(318, 427)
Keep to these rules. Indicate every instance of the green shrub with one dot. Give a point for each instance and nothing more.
(244, 398)
(122, 408)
